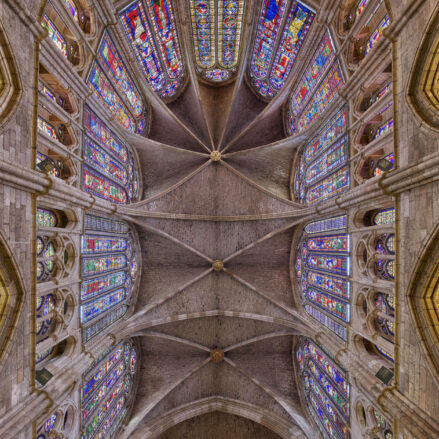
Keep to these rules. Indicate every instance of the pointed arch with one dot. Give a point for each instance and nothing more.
(11, 297)
(423, 91)
(10, 85)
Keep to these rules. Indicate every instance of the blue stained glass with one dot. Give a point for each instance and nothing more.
(100, 160)
(105, 393)
(336, 286)
(328, 162)
(335, 327)
(118, 74)
(93, 287)
(330, 131)
(321, 99)
(139, 33)
(271, 16)
(267, 78)
(98, 306)
(162, 18)
(329, 187)
(317, 67)
(203, 26)
(329, 304)
(162, 64)
(326, 225)
(229, 31)
(377, 34)
(326, 389)
(329, 263)
(295, 30)
(106, 94)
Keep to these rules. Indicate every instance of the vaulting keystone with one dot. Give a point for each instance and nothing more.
(215, 156)
(217, 355)
(217, 265)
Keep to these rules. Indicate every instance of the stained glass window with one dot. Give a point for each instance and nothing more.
(328, 162)
(384, 128)
(323, 96)
(107, 95)
(329, 187)
(106, 392)
(54, 34)
(46, 218)
(45, 90)
(384, 217)
(326, 136)
(71, 7)
(383, 426)
(322, 271)
(44, 314)
(279, 38)
(326, 225)
(116, 71)
(217, 36)
(107, 274)
(326, 389)
(390, 158)
(151, 30)
(385, 304)
(47, 128)
(385, 266)
(360, 7)
(113, 86)
(47, 427)
(376, 35)
(318, 174)
(46, 265)
(110, 171)
(318, 66)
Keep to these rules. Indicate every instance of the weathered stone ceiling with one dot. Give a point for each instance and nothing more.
(194, 211)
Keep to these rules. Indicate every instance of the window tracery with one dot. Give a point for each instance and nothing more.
(109, 271)
(282, 29)
(217, 28)
(326, 389)
(107, 391)
(110, 170)
(322, 271)
(152, 32)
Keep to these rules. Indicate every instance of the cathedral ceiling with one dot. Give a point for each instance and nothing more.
(216, 187)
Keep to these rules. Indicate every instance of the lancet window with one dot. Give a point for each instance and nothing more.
(152, 32)
(109, 271)
(107, 392)
(113, 86)
(282, 28)
(320, 82)
(326, 389)
(322, 171)
(322, 271)
(216, 28)
(110, 170)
